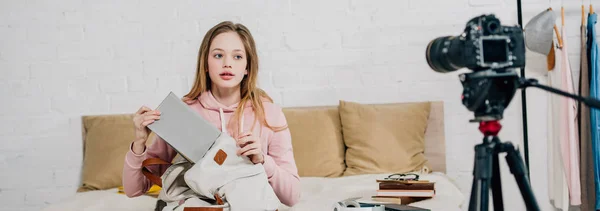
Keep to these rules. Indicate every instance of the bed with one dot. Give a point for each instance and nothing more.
(317, 192)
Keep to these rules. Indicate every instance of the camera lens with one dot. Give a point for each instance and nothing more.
(440, 52)
(493, 27)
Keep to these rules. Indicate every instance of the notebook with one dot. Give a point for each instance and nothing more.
(400, 207)
(184, 129)
(395, 207)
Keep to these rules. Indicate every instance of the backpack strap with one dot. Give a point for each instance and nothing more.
(152, 177)
(202, 209)
(219, 202)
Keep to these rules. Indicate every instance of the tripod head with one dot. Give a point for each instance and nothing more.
(488, 92)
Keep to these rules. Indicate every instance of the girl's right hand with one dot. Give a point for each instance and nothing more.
(142, 118)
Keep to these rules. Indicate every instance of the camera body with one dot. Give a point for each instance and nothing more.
(484, 44)
(492, 51)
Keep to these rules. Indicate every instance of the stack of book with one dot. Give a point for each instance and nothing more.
(403, 191)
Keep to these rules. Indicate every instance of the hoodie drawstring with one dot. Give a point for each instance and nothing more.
(223, 125)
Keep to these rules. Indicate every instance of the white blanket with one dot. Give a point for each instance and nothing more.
(317, 194)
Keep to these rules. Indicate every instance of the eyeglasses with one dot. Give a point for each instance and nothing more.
(402, 177)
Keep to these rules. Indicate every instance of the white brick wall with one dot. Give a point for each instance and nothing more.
(61, 60)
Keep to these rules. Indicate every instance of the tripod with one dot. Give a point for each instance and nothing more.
(487, 170)
(487, 93)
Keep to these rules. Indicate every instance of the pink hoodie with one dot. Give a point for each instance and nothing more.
(279, 161)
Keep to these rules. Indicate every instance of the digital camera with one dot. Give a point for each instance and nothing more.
(484, 44)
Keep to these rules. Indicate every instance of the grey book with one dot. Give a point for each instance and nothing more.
(184, 129)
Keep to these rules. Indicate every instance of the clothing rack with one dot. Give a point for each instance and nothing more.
(523, 98)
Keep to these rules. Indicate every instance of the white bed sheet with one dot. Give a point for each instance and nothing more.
(104, 200)
(317, 194)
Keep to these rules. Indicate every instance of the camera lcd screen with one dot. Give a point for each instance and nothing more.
(494, 50)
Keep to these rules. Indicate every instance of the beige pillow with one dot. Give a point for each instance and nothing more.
(384, 138)
(317, 141)
(106, 141)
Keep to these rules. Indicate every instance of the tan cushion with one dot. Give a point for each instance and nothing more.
(107, 139)
(384, 138)
(317, 141)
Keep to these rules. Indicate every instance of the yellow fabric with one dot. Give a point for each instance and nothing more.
(107, 139)
(317, 141)
(154, 190)
(384, 138)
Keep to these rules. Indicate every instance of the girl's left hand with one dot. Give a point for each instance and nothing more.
(250, 146)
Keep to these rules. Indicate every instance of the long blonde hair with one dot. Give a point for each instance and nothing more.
(248, 89)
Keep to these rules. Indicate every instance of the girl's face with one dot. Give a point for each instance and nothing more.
(227, 60)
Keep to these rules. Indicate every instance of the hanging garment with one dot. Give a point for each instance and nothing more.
(569, 140)
(557, 184)
(588, 191)
(594, 93)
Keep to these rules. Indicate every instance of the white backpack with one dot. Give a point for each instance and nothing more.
(221, 180)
